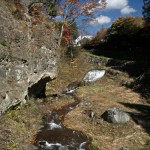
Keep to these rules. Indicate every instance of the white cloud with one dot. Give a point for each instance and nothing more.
(127, 10)
(116, 4)
(100, 20)
(121, 5)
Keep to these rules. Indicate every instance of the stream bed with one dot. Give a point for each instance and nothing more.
(55, 136)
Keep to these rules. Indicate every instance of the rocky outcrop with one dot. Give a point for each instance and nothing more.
(27, 53)
(116, 116)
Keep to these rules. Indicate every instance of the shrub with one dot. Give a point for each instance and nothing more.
(99, 38)
(72, 52)
(3, 42)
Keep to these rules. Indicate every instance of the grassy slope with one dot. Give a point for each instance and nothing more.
(101, 95)
(19, 125)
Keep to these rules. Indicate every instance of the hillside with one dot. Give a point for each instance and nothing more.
(96, 98)
(105, 93)
(27, 53)
(45, 101)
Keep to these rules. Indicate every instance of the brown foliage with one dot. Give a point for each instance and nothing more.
(70, 10)
(99, 36)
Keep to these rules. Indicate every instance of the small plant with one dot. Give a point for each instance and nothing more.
(3, 42)
(14, 115)
(12, 146)
(95, 146)
(3, 56)
(72, 52)
(18, 14)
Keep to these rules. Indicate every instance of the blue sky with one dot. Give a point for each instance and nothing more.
(115, 9)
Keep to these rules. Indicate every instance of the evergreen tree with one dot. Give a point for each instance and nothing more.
(74, 31)
(146, 11)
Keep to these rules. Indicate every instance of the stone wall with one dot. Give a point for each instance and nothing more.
(27, 53)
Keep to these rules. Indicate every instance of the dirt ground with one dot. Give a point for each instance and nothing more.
(100, 96)
(19, 125)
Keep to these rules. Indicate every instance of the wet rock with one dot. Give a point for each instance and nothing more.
(42, 144)
(71, 87)
(46, 145)
(94, 75)
(53, 125)
(82, 146)
(116, 116)
(27, 54)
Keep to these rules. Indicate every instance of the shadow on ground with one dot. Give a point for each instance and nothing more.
(139, 70)
(141, 116)
(137, 65)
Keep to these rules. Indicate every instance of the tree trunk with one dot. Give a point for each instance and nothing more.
(61, 34)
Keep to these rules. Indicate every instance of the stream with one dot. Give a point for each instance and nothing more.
(55, 136)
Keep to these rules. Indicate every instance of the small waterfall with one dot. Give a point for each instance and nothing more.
(55, 136)
(53, 125)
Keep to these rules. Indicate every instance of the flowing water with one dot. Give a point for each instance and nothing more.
(55, 136)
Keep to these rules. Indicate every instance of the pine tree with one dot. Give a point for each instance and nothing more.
(146, 11)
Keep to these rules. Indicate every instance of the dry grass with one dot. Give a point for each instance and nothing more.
(69, 71)
(18, 126)
(107, 136)
(103, 94)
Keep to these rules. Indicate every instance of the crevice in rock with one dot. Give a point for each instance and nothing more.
(38, 89)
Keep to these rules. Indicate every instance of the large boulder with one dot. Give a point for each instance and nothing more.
(94, 75)
(27, 54)
(116, 116)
